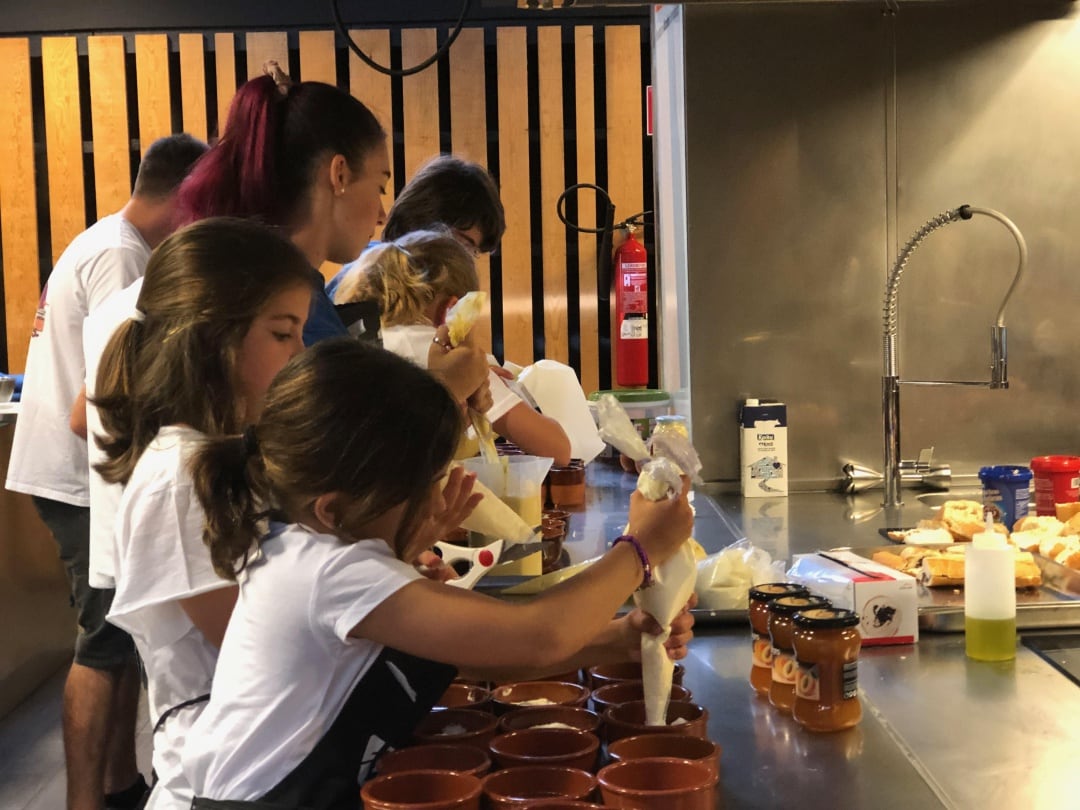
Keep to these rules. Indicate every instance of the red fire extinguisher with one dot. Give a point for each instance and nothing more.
(631, 312)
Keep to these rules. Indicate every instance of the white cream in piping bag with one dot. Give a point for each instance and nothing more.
(673, 581)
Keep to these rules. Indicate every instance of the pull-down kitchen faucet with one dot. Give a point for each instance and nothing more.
(890, 381)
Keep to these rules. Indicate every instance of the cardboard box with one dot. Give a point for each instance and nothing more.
(885, 599)
(763, 448)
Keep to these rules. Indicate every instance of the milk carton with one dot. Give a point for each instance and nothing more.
(763, 446)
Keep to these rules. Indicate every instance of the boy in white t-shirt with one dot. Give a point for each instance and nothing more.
(49, 462)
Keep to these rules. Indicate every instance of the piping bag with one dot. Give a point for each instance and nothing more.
(459, 320)
(671, 456)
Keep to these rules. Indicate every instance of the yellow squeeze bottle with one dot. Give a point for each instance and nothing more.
(990, 597)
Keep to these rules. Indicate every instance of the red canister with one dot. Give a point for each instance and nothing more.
(1057, 480)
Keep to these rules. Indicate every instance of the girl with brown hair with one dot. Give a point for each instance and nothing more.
(220, 311)
(337, 646)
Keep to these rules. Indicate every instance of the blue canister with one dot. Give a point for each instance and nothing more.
(1008, 489)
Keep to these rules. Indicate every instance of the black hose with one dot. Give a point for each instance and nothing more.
(439, 53)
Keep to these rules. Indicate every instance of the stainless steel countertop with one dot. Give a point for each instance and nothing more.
(938, 730)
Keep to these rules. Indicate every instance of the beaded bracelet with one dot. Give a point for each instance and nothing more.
(646, 579)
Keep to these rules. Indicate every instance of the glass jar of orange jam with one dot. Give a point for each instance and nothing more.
(826, 641)
(760, 596)
(784, 668)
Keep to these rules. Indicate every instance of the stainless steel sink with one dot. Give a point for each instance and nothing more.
(936, 499)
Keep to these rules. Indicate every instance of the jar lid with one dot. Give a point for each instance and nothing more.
(771, 590)
(635, 395)
(1055, 464)
(826, 617)
(1005, 472)
(789, 605)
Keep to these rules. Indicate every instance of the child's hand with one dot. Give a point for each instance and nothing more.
(463, 370)
(678, 640)
(661, 526)
(499, 371)
(431, 566)
(459, 498)
(481, 400)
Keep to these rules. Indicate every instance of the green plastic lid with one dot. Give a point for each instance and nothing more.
(634, 396)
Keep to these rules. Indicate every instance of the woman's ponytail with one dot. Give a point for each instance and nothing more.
(228, 477)
(113, 391)
(238, 176)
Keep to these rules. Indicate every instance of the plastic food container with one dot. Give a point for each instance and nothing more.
(642, 405)
(1057, 480)
(1008, 489)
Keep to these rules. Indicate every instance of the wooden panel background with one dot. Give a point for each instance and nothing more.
(18, 199)
(152, 81)
(520, 99)
(63, 141)
(109, 120)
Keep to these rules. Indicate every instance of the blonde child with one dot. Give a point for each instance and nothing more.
(221, 310)
(416, 279)
(337, 647)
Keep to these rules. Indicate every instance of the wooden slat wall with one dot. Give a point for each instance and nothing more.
(420, 99)
(18, 201)
(225, 75)
(374, 89)
(265, 45)
(152, 81)
(585, 116)
(318, 61)
(468, 130)
(109, 119)
(503, 143)
(193, 84)
(516, 246)
(63, 141)
(552, 183)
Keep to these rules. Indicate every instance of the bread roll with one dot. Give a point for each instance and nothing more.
(1064, 511)
(946, 569)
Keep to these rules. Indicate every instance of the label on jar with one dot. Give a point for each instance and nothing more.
(762, 652)
(784, 666)
(850, 679)
(808, 684)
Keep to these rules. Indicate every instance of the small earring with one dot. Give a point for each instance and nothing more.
(341, 191)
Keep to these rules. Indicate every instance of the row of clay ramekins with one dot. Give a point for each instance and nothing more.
(513, 697)
(661, 783)
(470, 727)
(598, 675)
(468, 759)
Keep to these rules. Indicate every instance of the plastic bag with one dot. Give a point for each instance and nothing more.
(724, 579)
(617, 430)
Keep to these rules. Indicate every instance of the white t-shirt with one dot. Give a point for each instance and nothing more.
(412, 342)
(47, 459)
(161, 559)
(287, 665)
(104, 497)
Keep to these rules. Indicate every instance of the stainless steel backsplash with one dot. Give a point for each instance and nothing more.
(818, 139)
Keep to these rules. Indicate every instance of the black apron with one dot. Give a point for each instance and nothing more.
(387, 704)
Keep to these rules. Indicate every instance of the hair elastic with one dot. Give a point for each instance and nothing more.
(251, 441)
(646, 577)
(138, 315)
(281, 79)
